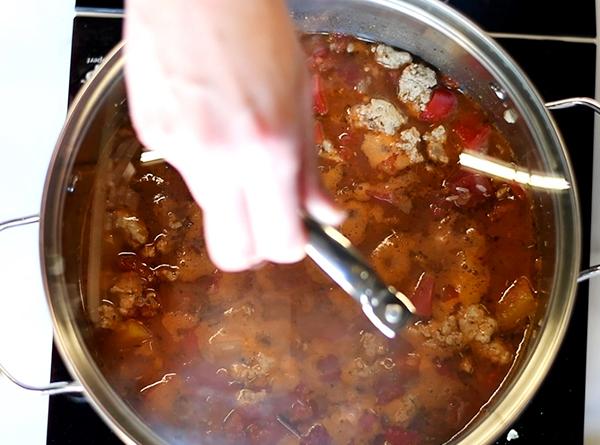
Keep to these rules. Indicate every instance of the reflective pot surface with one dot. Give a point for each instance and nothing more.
(428, 29)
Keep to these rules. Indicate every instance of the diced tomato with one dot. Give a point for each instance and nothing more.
(489, 378)
(455, 411)
(440, 207)
(349, 138)
(348, 141)
(130, 262)
(468, 189)
(399, 436)
(301, 411)
(265, 432)
(351, 73)
(329, 367)
(422, 296)
(394, 77)
(320, 51)
(317, 435)
(320, 58)
(400, 350)
(189, 344)
(389, 164)
(518, 191)
(473, 132)
(256, 413)
(233, 427)
(368, 421)
(215, 282)
(389, 386)
(409, 368)
(319, 101)
(448, 81)
(330, 331)
(444, 367)
(319, 54)
(442, 103)
(205, 376)
(502, 209)
(448, 293)
(301, 390)
(319, 133)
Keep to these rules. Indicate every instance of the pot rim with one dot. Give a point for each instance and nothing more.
(79, 362)
(529, 377)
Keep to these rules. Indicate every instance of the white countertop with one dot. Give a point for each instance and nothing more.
(35, 42)
(35, 47)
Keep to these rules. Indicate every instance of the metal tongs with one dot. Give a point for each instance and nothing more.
(387, 308)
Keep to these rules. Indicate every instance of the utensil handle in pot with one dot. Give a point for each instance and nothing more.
(51, 388)
(571, 102)
(387, 308)
(586, 274)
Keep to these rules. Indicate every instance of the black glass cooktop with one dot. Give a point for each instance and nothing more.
(556, 414)
(546, 17)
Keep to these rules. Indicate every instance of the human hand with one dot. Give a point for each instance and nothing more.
(220, 87)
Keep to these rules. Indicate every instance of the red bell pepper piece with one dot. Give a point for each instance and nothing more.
(319, 101)
(422, 296)
(442, 103)
(473, 133)
(319, 133)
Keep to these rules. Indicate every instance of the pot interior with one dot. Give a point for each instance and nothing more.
(94, 152)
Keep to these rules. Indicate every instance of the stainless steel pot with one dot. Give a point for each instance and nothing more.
(426, 28)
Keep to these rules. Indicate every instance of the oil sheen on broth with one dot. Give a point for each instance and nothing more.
(215, 358)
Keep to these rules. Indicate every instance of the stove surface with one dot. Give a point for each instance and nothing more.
(556, 414)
